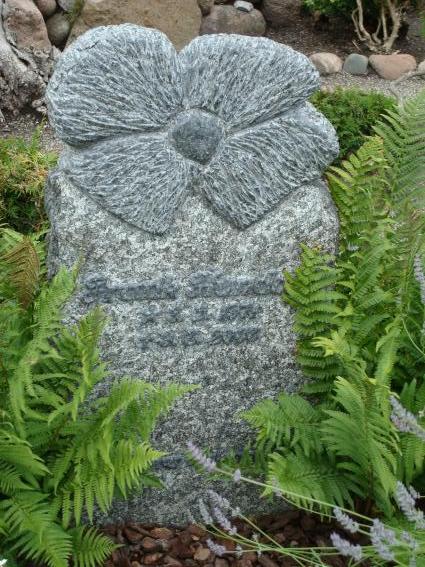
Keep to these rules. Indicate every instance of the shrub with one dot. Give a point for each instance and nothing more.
(359, 320)
(353, 113)
(340, 7)
(23, 170)
(62, 451)
(331, 7)
(377, 23)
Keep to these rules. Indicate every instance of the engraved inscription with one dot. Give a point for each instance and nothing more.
(209, 308)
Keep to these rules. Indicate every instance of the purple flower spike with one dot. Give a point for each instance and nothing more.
(208, 464)
(346, 548)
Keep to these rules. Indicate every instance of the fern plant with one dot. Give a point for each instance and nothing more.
(62, 452)
(23, 170)
(359, 320)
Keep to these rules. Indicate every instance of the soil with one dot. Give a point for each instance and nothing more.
(144, 545)
(337, 35)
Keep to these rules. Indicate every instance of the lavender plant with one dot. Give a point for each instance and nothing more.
(401, 543)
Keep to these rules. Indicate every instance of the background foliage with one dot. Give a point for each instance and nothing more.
(23, 171)
(353, 114)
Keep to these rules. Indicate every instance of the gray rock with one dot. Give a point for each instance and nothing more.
(46, 7)
(206, 6)
(243, 6)
(356, 64)
(26, 54)
(227, 19)
(67, 5)
(275, 11)
(187, 184)
(421, 67)
(58, 28)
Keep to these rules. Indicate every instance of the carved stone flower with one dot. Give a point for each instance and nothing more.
(226, 117)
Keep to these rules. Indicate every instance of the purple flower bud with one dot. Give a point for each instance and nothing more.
(237, 475)
(219, 500)
(419, 276)
(219, 550)
(382, 539)
(208, 464)
(224, 521)
(405, 421)
(410, 540)
(345, 521)
(406, 503)
(346, 548)
(205, 515)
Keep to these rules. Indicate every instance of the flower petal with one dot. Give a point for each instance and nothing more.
(245, 80)
(137, 178)
(114, 80)
(256, 168)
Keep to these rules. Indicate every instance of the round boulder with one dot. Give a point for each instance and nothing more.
(392, 67)
(180, 20)
(227, 1)
(58, 28)
(421, 68)
(243, 6)
(356, 64)
(23, 22)
(46, 7)
(67, 5)
(26, 54)
(227, 19)
(206, 6)
(326, 63)
(275, 11)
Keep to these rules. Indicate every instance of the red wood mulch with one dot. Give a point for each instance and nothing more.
(186, 547)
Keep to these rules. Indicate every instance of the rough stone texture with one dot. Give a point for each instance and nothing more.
(356, 64)
(421, 67)
(205, 6)
(243, 6)
(180, 20)
(275, 11)
(23, 20)
(58, 28)
(327, 63)
(187, 200)
(26, 54)
(392, 67)
(227, 19)
(67, 5)
(46, 7)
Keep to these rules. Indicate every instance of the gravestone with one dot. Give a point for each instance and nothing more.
(187, 183)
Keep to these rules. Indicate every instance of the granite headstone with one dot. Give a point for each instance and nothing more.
(187, 183)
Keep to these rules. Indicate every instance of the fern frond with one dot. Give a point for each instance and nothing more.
(289, 422)
(23, 270)
(402, 132)
(359, 433)
(312, 478)
(32, 528)
(90, 547)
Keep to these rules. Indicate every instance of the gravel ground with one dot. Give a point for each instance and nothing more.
(406, 89)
